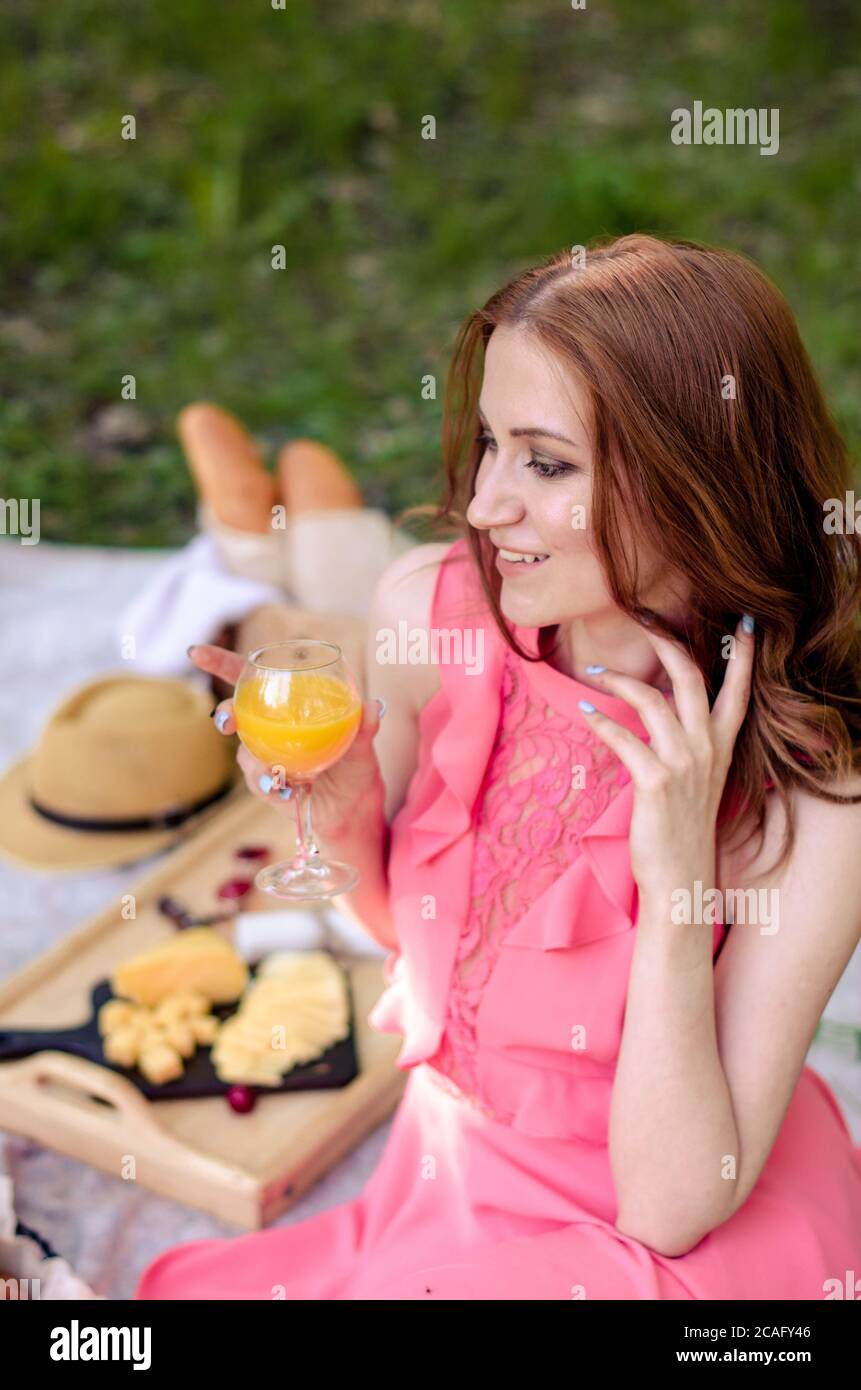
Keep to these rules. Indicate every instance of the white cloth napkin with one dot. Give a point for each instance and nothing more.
(188, 600)
(255, 934)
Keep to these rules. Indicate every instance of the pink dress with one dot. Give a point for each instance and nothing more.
(515, 906)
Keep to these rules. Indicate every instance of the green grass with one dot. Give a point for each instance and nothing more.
(302, 127)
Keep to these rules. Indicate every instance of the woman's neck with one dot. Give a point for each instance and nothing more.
(624, 650)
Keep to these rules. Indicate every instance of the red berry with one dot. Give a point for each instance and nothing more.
(235, 888)
(241, 1099)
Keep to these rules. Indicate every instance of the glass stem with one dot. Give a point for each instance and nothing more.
(306, 848)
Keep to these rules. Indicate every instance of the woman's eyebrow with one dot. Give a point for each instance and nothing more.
(537, 430)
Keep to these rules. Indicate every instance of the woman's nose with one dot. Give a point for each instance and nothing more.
(493, 504)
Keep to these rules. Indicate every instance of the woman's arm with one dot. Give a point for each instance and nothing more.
(355, 800)
(673, 1134)
(672, 1122)
(710, 1057)
(365, 844)
(403, 594)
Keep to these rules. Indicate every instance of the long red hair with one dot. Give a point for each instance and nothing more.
(713, 442)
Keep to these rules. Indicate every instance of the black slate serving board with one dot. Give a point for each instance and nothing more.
(336, 1067)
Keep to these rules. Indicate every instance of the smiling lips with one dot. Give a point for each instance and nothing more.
(509, 561)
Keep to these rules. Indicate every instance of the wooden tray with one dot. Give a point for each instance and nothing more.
(245, 1169)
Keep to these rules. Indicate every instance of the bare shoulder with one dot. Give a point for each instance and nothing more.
(404, 594)
(826, 842)
(412, 574)
(831, 829)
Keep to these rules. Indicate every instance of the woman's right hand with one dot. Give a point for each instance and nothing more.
(343, 794)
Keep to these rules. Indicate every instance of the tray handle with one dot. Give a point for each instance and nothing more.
(89, 1079)
(142, 1134)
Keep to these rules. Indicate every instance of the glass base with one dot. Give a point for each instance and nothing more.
(317, 878)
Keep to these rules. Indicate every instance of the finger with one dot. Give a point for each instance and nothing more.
(362, 745)
(689, 687)
(730, 707)
(262, 781)
(667, 736)
(224, 718)
(218, 661)
(642, 763)
(250, 767)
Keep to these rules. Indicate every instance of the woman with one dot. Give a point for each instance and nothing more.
(614, 854)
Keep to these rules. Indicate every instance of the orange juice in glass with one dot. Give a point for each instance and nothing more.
(298, 709)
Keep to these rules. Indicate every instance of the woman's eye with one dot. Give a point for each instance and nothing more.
(549, 470)
(544, 468)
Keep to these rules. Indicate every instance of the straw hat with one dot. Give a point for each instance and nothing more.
(121, 769)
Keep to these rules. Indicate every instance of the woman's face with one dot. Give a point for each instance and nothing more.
(533, 490)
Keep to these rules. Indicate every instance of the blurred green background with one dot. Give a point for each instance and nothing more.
(302, 127)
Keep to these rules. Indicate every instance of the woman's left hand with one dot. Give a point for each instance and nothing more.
(679, 777)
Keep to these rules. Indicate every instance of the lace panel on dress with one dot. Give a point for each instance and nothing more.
(547, 781)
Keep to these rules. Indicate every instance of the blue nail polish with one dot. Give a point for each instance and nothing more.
(285, 793)
(266, 784)
(382, 705)
(595, 670)
(221, 719)
(747, 622)
(587, 707)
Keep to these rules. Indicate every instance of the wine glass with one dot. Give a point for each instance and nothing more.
(298, 708)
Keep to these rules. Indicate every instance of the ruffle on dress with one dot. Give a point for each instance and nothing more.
(538, 1083)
